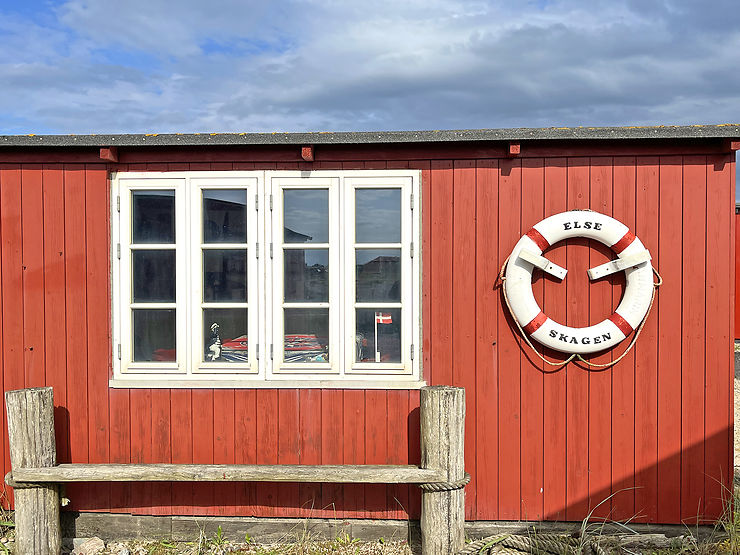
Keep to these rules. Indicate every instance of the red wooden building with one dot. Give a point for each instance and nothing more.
(280, 298)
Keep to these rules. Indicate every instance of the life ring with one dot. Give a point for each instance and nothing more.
(633, 258)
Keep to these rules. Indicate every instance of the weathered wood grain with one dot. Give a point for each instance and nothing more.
(442, 449)
(368, 474)
(32, 444)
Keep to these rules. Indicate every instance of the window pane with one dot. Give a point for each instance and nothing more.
(225, 275)
(381, 327)
(153, 216)
(377, 215)
(224, 216)
(306, 275)
(154, 335)
(378, 275)
(306, 335)
(154, 276)
(225, 334)
(306, 215)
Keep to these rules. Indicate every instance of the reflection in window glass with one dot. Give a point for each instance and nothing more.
(224, 216)
(153, 216)
(306, 215)
(154, 335)
(154, 275)
(306, 275)
(377, 215)
(225, 334)
(378, 336)
(224, 275)
(306, 335)
(378, 274)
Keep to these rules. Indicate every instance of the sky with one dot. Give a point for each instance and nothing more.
(144, 66)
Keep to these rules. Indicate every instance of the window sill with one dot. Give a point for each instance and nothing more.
(211, 383)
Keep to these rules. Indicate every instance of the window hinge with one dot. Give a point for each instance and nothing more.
(118, 203)
(270, 351)
(257, 351)
(412, 351)
(256, 202)
(411, 250)
(118, 250)
(412, 201)
(119, 351)
(270, 250)
(257, 250)
(270, 201)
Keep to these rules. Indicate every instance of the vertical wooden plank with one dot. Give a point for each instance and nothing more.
(623, 373)
(509, 376)
(75, 272)
(97, 230)
(426, 274)
(532, 382)
(181, 440)
(267, 448)
(577, 288)
(354, 449)
(398, 445)
(11, 234)
(223, 448)
(463, 308)
(414, 427)
(670, 264)
(600, 380)
(646, 356)
(4, 449)
(309, 445)
(376, 448)
(54, 301)
(487, 264)
(245, 447)
(140, 401)
(719, 372)
(32, 222)
(554, 304)
(693, 340)
(162, 434)
(203, 439)
(332, 441)
(120, 446)
(441, 284)
(288, 445)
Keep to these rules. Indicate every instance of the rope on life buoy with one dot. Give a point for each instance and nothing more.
(656, 284)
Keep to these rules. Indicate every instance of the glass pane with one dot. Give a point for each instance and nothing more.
(224, 216)
(306, 275)
(377, 215)
(378, 275)
(225, 334)
(378, 327)
(306, 335)
(153, 217)
(225, 275)
(154, 335)
(306, 215)
(154, 276)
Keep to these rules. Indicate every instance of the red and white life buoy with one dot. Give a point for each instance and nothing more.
(633, 258)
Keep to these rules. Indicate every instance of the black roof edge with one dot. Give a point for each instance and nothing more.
(721, 131)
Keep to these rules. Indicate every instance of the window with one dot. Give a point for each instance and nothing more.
(272, 279)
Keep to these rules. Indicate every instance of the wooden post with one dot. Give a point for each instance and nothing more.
(31, 438)
(442, 448)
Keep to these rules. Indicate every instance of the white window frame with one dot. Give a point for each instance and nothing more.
(265, 269)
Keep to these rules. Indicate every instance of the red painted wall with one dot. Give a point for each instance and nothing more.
(651, 436)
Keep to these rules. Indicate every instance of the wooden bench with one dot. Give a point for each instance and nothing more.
(36, 477)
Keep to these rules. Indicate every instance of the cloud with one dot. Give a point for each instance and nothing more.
(235, 65)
